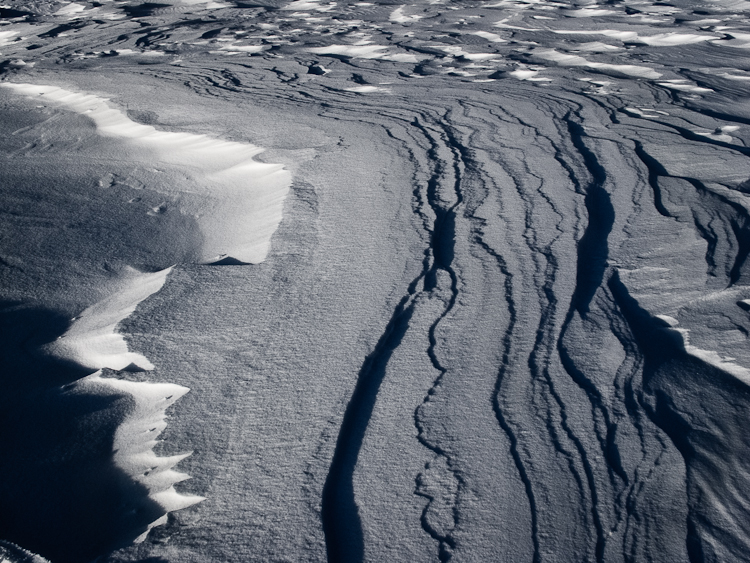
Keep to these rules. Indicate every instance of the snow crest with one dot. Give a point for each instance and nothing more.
(240, 205)
(93, 343)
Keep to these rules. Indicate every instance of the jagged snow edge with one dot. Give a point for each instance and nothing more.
(91, 341)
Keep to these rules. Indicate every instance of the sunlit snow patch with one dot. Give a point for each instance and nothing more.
(207, 4)
(365, 52)
(70, 9)
(6, 36)
(492, 37)
(239, 203)
(364, 89)
(136, 438)
(719, 134)
(679, 84)
(734, 39)
(589, 13)
(398, 16)
(309, 5)
(658, 40)
(91, 341)
(528, 74)
(248, 49)
(563, 59)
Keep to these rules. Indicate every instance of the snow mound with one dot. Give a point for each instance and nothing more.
(241, 203)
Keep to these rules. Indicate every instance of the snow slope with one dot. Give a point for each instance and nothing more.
(490, 302)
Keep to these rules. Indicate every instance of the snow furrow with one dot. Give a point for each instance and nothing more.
(341, 522)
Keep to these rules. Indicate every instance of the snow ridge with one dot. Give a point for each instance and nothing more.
(241, 199)
(93, 343)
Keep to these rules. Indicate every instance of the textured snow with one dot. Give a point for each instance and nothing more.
(563, 59)
(246, 196)
(484, 294)
(92, 341)
(136, 438)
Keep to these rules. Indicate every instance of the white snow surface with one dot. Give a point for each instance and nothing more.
(241, 198)
(136, 438)
(92, 341)
(500, 312)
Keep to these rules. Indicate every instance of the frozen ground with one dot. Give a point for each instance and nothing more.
(446, 281)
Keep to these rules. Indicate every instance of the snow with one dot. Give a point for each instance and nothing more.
(682, 87)
(136, 438)
(564, 59)
(366, 89)
(399, 16)
(92, 342)
(309, 5)
(711, 357)
(5, 36)
(70, 9)
(366, 52)
(670, 39)
(492, 37)
(447, 281)
(245, 196)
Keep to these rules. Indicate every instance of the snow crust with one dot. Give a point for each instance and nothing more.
(242, 199)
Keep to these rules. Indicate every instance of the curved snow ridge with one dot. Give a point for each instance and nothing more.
(240, 200)
(92, 342)
(711, 357)
(136, 437)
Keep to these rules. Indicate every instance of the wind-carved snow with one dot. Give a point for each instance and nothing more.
(563, 59)
(6, 36)
(93, 343)
(136, 438)
(236, 202)
(671, 39)
(399, 16)
(709, 356)
(239, 200)
(474, 345)
(366, 51)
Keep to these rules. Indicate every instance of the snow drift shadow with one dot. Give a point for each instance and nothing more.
(341, 522)
(62, 494)
(705, 412)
